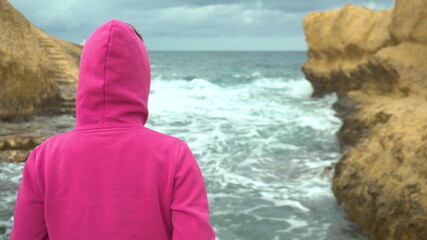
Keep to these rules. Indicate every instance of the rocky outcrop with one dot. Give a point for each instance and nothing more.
(18, 139)
(38, 81)
(376, 62)
(38, 72)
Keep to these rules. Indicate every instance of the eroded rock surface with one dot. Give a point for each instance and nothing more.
(38, 82)
(38, 72)
(376, 61)
(18, 139)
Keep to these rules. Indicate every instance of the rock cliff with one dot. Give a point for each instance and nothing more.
(376, 62)
(38, 76)
(38, 72)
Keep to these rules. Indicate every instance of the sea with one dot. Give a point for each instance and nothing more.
(265, 147)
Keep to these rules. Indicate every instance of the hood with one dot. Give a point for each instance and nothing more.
(114, 79)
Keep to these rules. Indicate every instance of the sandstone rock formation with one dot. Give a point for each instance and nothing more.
(376, 62)
(38, 76)
(38, 72)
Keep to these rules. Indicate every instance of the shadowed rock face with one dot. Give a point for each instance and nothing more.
(376, 61)
(38, 73)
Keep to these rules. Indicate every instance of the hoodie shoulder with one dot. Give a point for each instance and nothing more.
(51, 139)
(163, 137)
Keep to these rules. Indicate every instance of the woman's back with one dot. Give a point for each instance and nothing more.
(111, 177)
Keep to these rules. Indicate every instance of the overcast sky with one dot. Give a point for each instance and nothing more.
(188, 24)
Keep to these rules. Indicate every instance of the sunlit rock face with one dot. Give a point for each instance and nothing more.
(376, 61)
(38, 81)
(38, 72)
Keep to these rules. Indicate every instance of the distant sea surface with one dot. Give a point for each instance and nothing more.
(261, 141)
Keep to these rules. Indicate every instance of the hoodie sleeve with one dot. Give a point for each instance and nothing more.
(189, 209)
(29, 222)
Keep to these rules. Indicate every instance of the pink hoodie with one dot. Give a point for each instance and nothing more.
(111, 177)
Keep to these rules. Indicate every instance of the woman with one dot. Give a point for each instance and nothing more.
(111, 177)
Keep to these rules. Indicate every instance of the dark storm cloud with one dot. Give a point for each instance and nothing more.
(74, 19)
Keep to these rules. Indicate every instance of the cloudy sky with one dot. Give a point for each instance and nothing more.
(188, 24)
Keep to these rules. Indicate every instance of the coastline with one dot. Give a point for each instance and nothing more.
(376, 63)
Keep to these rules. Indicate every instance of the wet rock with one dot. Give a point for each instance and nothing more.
(18, 139)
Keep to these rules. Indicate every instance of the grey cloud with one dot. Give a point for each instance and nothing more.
(282, 5)
(73, 19)
(316, 5)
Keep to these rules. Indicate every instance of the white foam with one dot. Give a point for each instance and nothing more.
(256, 74)
(296, 223)
(299, 88)
(270, 83)
(291, 203)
